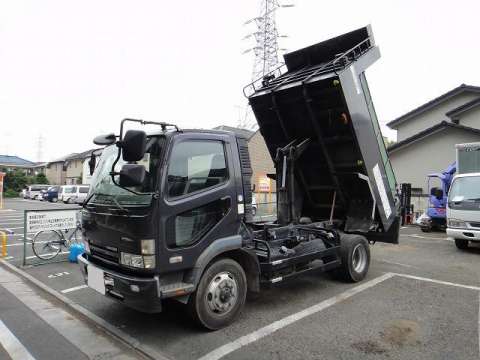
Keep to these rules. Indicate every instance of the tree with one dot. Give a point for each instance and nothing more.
(15, 180)
(41, 179)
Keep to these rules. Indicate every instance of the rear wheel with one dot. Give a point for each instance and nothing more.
(54, 199)
(355, 256)
(220, 295)
(461, 244)
(46, 244)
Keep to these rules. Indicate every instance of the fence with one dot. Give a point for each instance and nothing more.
(45, 222)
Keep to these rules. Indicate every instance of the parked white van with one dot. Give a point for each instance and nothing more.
(463, 209)
(70, 194)
(33, 191)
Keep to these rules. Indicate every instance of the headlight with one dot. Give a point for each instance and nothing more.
(137, 261)
(148, 247)
(454, 223)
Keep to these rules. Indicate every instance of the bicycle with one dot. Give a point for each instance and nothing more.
(46, 244)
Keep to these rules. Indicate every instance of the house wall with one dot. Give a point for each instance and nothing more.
(432, 154)
(432, 116)
(471, 118)
(55, 173)
(74, 171)
(262, 163)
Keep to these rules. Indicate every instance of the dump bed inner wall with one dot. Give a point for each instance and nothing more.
(352, 145)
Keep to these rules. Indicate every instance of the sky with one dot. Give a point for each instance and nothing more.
(70, 70)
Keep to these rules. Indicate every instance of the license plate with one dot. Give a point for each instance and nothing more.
(96, 279)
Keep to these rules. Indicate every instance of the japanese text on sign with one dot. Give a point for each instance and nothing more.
(55, 220)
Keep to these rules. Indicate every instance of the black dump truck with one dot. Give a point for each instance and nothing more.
(169, 211)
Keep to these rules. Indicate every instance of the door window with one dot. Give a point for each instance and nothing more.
(190, 226)
(195, 166)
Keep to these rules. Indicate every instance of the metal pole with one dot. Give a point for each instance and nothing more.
(25, 238)
(4, 244)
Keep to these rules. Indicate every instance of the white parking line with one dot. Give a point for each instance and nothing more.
(429, 237)
(75, 288)
(441, 282)
(12, 345)
(277, 325)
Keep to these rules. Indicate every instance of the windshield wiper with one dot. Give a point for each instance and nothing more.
(111, 197)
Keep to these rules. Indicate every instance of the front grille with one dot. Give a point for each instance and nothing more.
(475, 224)
(104, 253)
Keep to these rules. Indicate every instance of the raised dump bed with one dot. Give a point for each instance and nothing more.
(317, 117)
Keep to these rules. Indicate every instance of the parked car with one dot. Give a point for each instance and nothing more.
(51, 194)
(34, 191)
(70, 194)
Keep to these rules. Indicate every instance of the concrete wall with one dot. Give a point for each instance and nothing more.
(432, 117)
(262, 163)
(434, 153)
(55, 173)
(471, 118)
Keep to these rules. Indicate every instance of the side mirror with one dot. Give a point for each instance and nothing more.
(104, 140)
(134, 144)
(92, 163)
(132, 175)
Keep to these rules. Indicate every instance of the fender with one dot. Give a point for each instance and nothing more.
(216, 248)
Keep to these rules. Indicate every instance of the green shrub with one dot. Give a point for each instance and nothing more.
(10, 193)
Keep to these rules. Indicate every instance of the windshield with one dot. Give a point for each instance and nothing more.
(465, 189)
(103, 189)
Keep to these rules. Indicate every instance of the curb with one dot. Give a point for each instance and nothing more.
(126, 339)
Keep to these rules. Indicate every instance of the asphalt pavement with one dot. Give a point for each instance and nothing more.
(419, 300)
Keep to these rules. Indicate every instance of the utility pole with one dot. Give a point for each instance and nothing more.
(40, 147)
(265, 48)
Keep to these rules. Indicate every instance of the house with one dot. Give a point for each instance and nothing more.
(68, 169)
(55, 171)
(426, 136)
(261, 161)
(12, 163)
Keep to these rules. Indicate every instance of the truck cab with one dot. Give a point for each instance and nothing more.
(463, 209)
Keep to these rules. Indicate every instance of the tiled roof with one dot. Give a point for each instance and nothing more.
(15, 160)
(432, 103)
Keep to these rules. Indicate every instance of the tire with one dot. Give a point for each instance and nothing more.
(69, 200)
(461, 244)
(47, 244)
(54, 199)
(426, 229)
(355, 257)
(225, 277)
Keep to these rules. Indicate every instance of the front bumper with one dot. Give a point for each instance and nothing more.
(465, 234)
(142, 294)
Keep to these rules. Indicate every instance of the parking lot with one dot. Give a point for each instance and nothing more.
(419, 300)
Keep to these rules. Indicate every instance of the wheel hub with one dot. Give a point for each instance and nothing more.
(221, 294)
(359, 258)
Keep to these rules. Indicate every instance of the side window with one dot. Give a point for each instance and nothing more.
(74, 189)
(196, 165)
(190, 226)
(84, 190)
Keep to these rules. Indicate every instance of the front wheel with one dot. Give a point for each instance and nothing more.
(355, 256)
(46, 244)
(461, 244)
(220, 295)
